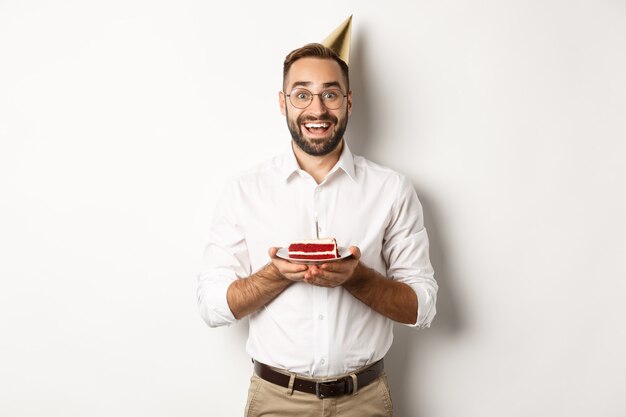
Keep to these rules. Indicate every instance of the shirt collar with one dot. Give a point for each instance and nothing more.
(346, 163)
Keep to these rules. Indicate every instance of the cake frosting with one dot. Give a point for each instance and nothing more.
(325, 248)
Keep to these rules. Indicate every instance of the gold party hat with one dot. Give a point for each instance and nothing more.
(339, 40)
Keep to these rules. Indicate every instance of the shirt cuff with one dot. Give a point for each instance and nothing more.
(213, 304)
(426, 309)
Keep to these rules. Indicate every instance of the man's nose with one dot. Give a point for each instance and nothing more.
(317, 105)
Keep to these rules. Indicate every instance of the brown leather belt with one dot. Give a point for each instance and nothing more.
(322, 389)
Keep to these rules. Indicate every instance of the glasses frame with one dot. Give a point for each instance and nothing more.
(343, 95)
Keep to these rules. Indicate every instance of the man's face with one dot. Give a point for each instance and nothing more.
(316, 129)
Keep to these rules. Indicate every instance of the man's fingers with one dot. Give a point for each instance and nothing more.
(323, 280)
(290, 270)
(356, 252)
(327, 277)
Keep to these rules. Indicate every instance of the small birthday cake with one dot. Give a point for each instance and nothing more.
(325, 248)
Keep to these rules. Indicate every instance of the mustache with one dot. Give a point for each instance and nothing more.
(322, 118)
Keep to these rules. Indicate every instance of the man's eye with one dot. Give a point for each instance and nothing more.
(329, 95)
(302, 96)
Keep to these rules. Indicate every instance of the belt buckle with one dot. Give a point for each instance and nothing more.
(330, 384)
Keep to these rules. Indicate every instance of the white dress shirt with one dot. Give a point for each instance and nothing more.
(310, 330)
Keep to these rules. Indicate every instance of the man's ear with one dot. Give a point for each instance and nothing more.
(281, 102)
(349, 102)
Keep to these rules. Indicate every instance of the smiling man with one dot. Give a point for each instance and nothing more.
(324, 121)
(318, 333)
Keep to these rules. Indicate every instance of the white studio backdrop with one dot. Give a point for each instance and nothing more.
(120, 121)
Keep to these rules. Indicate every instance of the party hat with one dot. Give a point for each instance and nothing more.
(339, 40)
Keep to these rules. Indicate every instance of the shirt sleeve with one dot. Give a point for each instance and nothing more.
(406, 250)
(225, 259)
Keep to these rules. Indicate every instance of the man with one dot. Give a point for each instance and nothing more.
(318, 333)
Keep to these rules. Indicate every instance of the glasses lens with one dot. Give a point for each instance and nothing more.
(332, 98)
(300, 98)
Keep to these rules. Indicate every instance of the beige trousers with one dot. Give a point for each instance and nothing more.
(269, 400)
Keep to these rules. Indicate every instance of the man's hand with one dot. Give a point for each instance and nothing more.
(291, 271)
(333, 274)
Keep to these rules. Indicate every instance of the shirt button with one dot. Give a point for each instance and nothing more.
(321, 317)
(323, 361)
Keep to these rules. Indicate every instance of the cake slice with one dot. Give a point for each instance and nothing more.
(325, 248)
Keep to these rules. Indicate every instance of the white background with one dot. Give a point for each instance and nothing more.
(120, 120)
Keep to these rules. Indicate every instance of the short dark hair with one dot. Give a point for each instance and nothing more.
(314, 50)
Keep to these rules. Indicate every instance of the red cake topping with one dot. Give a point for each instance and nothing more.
(314, 249)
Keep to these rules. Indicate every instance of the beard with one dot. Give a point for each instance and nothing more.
(321, 146)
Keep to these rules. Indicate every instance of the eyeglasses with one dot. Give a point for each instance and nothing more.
(301, 98)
